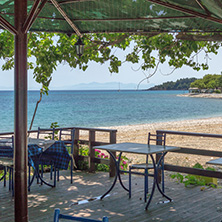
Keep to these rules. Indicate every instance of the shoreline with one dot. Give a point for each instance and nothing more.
(202, 95)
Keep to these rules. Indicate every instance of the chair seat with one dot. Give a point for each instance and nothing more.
(141, 166)
(6, 161)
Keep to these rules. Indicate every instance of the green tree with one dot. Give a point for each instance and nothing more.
(199, 83)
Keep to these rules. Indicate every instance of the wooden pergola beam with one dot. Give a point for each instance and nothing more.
(5, 24)
(188, 11)
(69, 21)
(30, 18)
(198, 37)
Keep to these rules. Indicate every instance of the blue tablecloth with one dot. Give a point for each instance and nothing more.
(56, 154)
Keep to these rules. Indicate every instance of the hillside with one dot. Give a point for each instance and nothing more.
(180, 84)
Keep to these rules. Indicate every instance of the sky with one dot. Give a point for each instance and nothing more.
(65, 78)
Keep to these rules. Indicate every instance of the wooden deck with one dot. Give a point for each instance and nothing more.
(190, 204)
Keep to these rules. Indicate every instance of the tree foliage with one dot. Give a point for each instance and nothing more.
(180, 84)
(51, 49)
(209, 81)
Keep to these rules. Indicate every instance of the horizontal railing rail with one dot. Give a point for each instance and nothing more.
(193, 151)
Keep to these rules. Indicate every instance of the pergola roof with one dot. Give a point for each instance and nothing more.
(98, 16)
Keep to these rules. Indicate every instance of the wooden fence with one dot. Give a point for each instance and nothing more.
(193, 151)
(90, 141)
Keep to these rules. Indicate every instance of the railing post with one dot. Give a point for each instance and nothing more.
(76, 148)
(159, 173)
(112, 168)
(91, 151)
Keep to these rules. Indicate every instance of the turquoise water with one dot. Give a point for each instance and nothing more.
(108, 108)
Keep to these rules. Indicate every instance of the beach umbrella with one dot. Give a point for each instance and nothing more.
(82, 17)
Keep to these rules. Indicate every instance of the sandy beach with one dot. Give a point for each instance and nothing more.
(202, 95)
(138, 133)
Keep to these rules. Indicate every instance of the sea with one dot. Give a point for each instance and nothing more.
(106, 108)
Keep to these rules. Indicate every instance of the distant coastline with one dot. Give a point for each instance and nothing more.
(203, 95)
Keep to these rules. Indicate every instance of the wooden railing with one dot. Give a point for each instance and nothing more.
(90, 140)
(193, 151)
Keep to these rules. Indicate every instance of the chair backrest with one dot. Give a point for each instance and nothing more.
(46, 133)
(7, 141)
(6, 146)
(58, 216)
(160, 139)
(68, 137)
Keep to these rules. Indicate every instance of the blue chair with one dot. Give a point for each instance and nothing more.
(58, 216)
(6, 158)
(160, 139)
(68, 137)
(44, 133)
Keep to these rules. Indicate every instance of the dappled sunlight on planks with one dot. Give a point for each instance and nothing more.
(82, 199)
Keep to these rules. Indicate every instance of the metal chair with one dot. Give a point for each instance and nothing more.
(6, 158)
(58, 215)
(68, 137)
(43, 133)
(160, 140)
(46, 133)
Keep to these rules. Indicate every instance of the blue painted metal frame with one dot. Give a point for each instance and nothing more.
(156, 166)
(71, 143)
(58, 216)
(6, 167)
(146, 174)
(117, 175)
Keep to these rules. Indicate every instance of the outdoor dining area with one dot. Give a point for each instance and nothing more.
(27, 193)
(57, 184)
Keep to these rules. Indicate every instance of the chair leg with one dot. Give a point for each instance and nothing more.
(12, 182)
(54, 176)
(145, 184)
(41, 172)
(37, 168)
(71, 171)
(58, 174)
(130, 182)
(10, 178)
(51, 172)
(29, 177)
(163, 186)
(5, 173)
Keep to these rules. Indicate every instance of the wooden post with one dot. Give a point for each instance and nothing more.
(92, 136)
(76, 148)
(112, 168)
(20, 113)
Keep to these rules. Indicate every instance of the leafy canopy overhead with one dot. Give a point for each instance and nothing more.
(149, 50)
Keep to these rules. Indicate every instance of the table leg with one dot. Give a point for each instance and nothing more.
(155, 180)
(117, 176)
(36, 174)
(41, 179)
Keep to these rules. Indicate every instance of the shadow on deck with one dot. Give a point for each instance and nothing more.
(190, 204)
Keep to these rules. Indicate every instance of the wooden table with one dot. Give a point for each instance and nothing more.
(137, 148)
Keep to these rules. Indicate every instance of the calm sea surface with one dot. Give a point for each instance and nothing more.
(107, 108)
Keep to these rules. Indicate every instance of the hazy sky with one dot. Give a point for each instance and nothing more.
(65, 77)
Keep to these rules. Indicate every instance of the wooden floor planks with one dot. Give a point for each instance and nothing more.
(190, 204)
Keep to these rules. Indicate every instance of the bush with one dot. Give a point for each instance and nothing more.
(84, 151)
(196, 180)
(217, 91)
